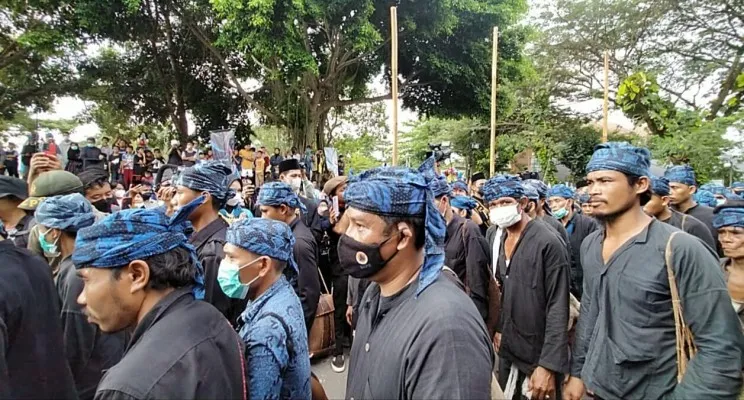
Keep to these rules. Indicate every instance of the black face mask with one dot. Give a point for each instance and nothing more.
(103, 205)
(361, 260)
(146, 195)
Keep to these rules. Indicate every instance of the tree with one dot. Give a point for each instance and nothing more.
(155, 70)
(687, 44)
(37, 44)
(313, 56)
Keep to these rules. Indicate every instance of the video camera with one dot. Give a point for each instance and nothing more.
(440, 151)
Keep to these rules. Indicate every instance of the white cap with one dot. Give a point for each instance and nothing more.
(174, 141)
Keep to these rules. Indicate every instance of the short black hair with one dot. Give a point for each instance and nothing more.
(172, 269)
(416, 223)
(645, 196)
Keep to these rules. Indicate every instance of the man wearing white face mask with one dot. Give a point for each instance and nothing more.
(578, 226)
(533, 269)
(259, 266)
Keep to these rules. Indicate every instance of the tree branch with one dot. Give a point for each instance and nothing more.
(202, 38)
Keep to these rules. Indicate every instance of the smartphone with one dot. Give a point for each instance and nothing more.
(335, 205)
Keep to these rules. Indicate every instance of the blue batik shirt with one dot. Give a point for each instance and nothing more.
(278, 365)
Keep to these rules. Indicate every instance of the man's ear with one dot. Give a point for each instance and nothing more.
(665, 201)
(138, 273)
(693, 189)
(406, 235)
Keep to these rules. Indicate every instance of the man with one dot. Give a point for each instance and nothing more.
(533, 268)
(729, 220)
(17, 221)
(260, 165)
(157, 162)
(174, 154)
(189, 155)
(64, 146)
(330, 266)
(682, 183)
(48, 184)
(141, 274)
(459, 188)
(537, 193)
(477, 181)
(91, 155)
(465, 249)
(274, 161)
(11, 160)
(98, 189)
(105, 147)
(114, 161)
(658, 207)
(561, 202)
(625, 337)
(586, 207)
(278, 202)
(247, 158)
(89, 352)
(50, 147)
(259, 265)
(290, 172)
(418, 335)
(32, 356)
(705, 198)
(209, 180)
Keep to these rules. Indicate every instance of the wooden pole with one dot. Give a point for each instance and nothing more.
(494, 83)
(394, 78)
(605, 104)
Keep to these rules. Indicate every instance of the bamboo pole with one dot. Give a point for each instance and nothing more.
(605, 103)
(494, 83)
(394, 78)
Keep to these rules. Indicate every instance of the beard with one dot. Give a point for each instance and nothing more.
(609, 218)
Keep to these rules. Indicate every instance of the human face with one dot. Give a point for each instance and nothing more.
(99, 193)
(656, 206)
(502, 202)
(185, 196)
(459, 192)
(242, 258)
(340, 190)
(369, 228)
(236, 186)
(611, 195)
(478, 185)
(287, 176)
(732, 241)
(276, 213)
(680, 193)
(112, 304)
(586, 208)
(556, 203)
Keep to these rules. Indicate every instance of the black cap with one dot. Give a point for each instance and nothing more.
(15, 187)
(91, 175)
(288, 165)
(477, 176)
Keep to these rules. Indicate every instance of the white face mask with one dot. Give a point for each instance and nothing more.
(737, 305)
(720, 202)
(236, 200)
(505, 216)
(295, 183)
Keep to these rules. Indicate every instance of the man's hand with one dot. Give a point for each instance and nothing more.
(248, 190)
(135, 189)
(166, 194)
(349, 314)
(574, 389)
(40, 163)
(496, 341)
(542, 384)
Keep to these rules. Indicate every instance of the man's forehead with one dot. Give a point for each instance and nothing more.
(359, 215)
(604, 174)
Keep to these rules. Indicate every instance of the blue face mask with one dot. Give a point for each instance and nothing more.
(49, 248)
(560, 214)
(228, 276)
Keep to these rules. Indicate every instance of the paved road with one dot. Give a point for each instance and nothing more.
(333, 383)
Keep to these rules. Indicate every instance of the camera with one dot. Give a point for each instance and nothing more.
(440, 151)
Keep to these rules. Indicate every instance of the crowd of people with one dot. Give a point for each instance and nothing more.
(207, 283)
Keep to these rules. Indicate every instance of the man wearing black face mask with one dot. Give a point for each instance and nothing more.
(98, 189)
(418, 335)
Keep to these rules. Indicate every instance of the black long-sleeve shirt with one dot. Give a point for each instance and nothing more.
(433, 345)
(534, 314)
(89, 351)
(209, 243)
(182, 349)
(466, 253)
(693, 226)
(578, 228)
(308, 281)
(32, 358)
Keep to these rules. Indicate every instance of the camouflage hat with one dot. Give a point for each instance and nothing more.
(48, 184)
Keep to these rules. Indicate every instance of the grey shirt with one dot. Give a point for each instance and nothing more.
(625, 337)
(430, 346)
(705, 215)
